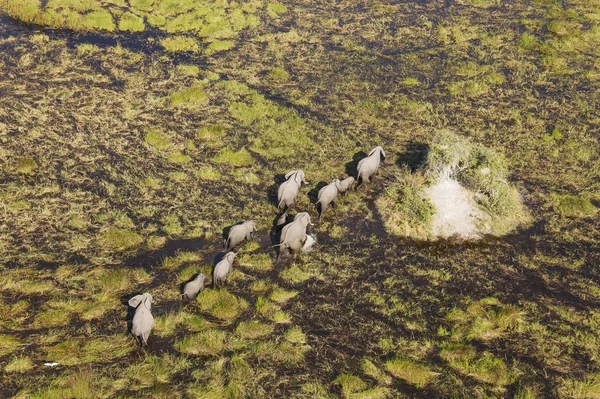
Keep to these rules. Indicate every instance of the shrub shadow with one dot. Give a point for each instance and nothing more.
(414, 157)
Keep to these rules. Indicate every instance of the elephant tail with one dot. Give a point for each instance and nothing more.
(281, 203)
(227, 243)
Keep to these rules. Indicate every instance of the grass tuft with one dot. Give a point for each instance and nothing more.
(131, 22)
(21, 364)
(119, 239)
(412, 372)
(573, 205)
(194, 96)
(221, 304)
(205, 343)
(228, 156)
(253, 329)
(26, 165)
(180, 44)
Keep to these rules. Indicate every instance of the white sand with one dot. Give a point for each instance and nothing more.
(456, 212)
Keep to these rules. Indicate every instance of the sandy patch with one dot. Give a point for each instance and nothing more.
(456, 212)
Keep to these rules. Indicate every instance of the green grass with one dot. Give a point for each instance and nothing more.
(221, 304)
(157, 139)
(410, 371)
(259, 262)
(208, 173)
(253, 329)
(180, 258)
(116, 239)
(295, 275)
(180, 44)
(131, 22)
(228, 156)
(278, 75)
(26, 165)
(281, 295)
(98, 20)
(19, 365)
(271, 311)
(194, 96)
(219, 46)
(188, 70)
(74, 352)
(405, 210)
(206, 343)
(573, 205)
(8, 344)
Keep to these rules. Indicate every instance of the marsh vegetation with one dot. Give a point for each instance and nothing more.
(133, 132)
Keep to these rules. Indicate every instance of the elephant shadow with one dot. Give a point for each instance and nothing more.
(414, 157)
(313, 195)
(351, 167)
(275, 232)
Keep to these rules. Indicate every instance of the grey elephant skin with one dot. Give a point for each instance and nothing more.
(368, 166)
(328, 195)
(293, 235)
(223, 268)
(142, 322)
(346, 184)
(240, 233)
(288, 190)
(194, 287)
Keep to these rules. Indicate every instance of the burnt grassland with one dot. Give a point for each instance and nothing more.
(126, 148)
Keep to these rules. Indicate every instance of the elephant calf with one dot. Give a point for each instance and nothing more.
(194, 287)
(142, 323)
(328, 195)
(288, 190)
(293, 235)
(308, 244)
(223, 268)
(346, 184)
(367, 167)
(240, 233)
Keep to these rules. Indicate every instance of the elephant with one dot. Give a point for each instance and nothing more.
(346, 184)
(142, 319)
(288, 190)
(194, 287)
(293, 235)
(310, 241)
(368, 166)
(223, 268)
(282, 219)
(240, 233)
(328, 195)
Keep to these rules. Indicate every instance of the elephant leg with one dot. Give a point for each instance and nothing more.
(323, 208)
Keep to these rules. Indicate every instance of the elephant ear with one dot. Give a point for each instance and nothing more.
(288, 174)
(135, 301)
(148, 301)
(338, 184)
(299, 177)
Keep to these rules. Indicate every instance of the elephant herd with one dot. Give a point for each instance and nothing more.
(294, 236)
